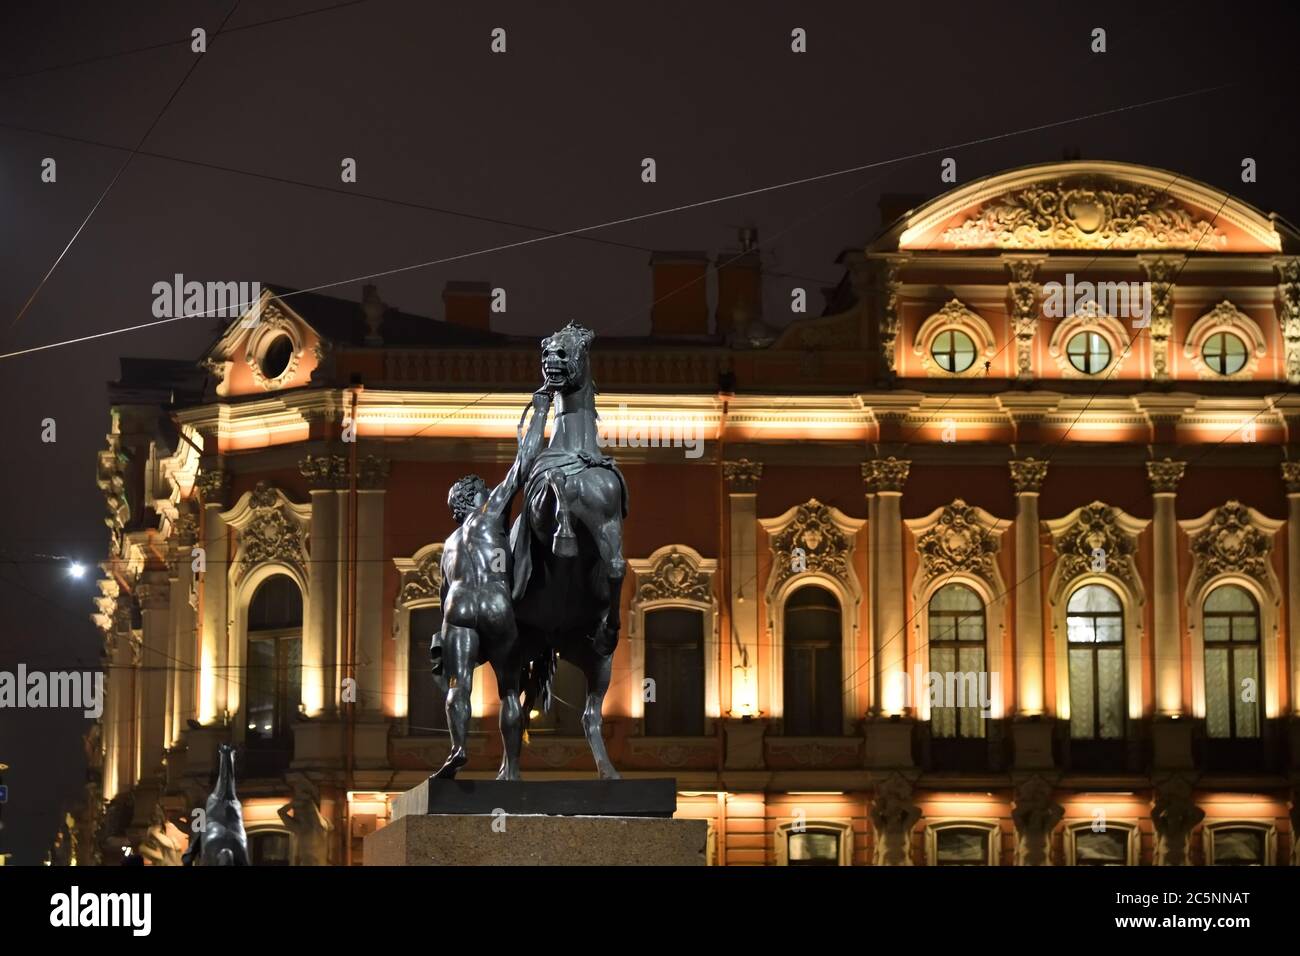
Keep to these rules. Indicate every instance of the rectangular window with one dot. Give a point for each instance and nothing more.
(674, 661)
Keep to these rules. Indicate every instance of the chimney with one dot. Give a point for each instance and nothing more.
(740, 285)
(893, 206)
(468, 304)
(680, 290)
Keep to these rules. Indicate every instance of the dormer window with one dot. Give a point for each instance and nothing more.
(275, 357)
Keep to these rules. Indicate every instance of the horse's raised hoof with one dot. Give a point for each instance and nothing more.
(455, 760)
(564, 545)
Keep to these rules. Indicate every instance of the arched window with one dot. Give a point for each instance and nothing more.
(813, 678)
(274, 664)
(674, 660)
(1232, 686)
(1095, 632)
(426, 696)
(957, 631)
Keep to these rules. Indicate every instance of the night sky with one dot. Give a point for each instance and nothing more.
(239, 180)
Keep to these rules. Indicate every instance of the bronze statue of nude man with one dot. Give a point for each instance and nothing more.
(478, 621)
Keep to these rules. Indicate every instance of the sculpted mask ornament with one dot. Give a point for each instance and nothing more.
(1231, 543)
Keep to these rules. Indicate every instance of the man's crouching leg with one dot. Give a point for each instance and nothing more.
(459, 652)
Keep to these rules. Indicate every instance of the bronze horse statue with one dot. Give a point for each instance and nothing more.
(567, 544)
(221, 841)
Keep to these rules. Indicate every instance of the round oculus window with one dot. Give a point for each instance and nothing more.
(1088, 352)
(276, 356)
(953, 350)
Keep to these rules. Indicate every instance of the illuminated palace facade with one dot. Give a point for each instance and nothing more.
(968, 569)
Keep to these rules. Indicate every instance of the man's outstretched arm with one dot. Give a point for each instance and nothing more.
(499, 500)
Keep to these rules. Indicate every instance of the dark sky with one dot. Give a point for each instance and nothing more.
(552, 134)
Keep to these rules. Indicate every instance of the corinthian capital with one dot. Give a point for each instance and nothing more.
(1165, 475)
(742, 476)
(886, 474)
(1027, 475)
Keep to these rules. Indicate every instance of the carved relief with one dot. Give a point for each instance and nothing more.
(1096, 538)
(1086, 213)
(421, 576)
(893, 815)
(958, 541)
(1024, 293)
(1174, 815)
(213, 485)
(891, 314)
(272, 324)
(267, 532)
(1232, 544)
(1288, 292)
(1161, 273)
(1035, 815)
(812, 541)
(674, 577)
(324, 471)
(1291, 476)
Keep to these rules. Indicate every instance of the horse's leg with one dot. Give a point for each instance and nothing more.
(565, 543)
(460, 651)
(609, 539)
(597, 669)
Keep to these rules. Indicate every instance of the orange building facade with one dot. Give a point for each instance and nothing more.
(991, 563)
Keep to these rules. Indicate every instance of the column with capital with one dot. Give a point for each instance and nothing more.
(888, 728)
(184, 680)
(1291, 475)
(1164, 477)
(1032, 735)
(372, 728)
(213, 486)
(155, 671)
(325, 475)
(744, 731)
(119, 704)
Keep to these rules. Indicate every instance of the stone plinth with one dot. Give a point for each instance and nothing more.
(505, 840)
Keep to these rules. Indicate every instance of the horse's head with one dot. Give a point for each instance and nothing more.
(466, 497)
(225, 789)
(564, 359)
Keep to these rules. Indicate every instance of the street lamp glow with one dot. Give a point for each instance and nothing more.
(76, 569)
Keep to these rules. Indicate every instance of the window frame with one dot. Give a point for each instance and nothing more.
(1096, 674)
(1132, 840)
(1265, 827)
(990, 827)
(843, 828)
(1231, 645)
(956, 644)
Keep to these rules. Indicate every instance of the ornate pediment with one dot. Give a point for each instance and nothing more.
(1232, 539)
(957, 539)
(1096, 539)
(271, 529)
(1085, 205)
(674, 576)
(421, 576)
(1085, 213)
(812, 538)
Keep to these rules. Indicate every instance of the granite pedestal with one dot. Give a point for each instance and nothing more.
(500, 823)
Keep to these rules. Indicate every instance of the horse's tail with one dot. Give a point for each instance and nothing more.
(539, 675)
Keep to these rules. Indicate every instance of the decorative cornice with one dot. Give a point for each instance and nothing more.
(886, 474)
(1165, 475)
(742, 476)
(1027, 475)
